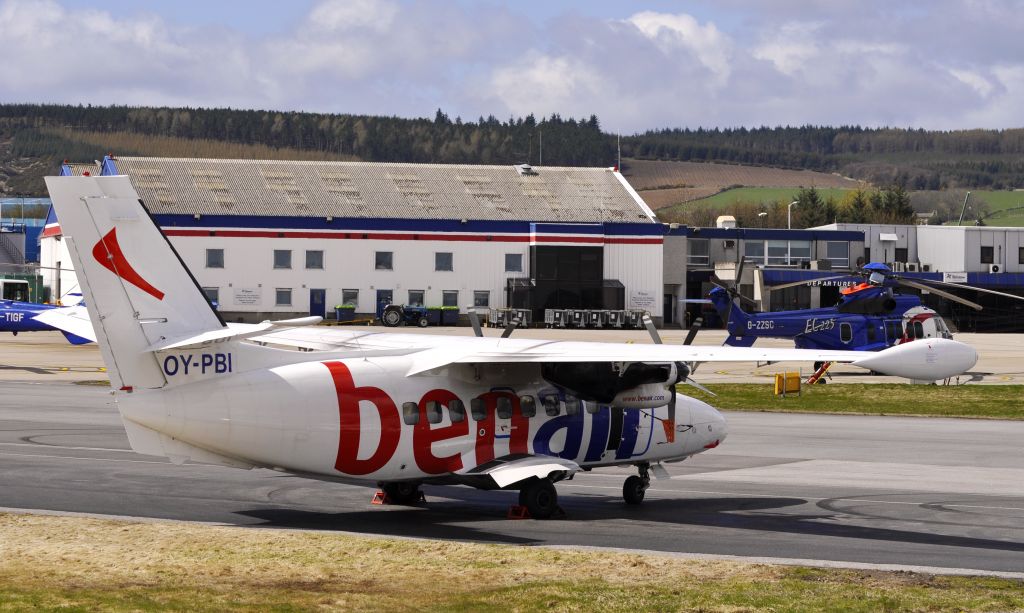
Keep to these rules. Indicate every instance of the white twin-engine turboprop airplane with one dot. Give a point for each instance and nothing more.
(397, 410)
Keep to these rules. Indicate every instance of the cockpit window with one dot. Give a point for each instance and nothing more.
(918, 329)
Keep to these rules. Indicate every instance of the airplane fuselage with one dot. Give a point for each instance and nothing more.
(364, 419)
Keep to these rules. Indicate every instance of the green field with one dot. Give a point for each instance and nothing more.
(1000, 201)
(759, 195)
(972, 401)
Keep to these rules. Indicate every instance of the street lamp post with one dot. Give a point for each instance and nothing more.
(789, 215)
(761, 217)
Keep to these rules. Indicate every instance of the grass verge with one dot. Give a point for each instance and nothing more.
(984, 401)
(65, 563)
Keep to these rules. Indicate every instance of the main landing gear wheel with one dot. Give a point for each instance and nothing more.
(402, 492)
(540, 498)
(635, 487)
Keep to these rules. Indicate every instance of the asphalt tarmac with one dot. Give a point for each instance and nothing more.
(853, 490)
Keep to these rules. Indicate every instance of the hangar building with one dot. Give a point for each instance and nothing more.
(274, 239)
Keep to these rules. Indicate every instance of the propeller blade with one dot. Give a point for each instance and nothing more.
(649, 324)
(806, 281)
(512, 325)
(694, 329)
(690, 381)
(967, 287)
(935, 290)
(474, 319)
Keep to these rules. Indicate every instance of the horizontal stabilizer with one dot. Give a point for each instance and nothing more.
(233, 331)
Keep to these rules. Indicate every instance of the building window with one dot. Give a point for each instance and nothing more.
(799, 251)
(753, 251)
(482, 298)
(282, 258)
(513, 262)
(215, 258)
(315, 259)
(698, 252)
(838, 253)
(415, 297)
(900, 255)
(283, 296)
(778, 253)
(350, 296)
(382, 260)
(443, 261)
(988, 255)
(450, 298)
(213, 295)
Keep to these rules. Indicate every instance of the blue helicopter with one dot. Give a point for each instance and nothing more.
(71, 321)
(870, 315)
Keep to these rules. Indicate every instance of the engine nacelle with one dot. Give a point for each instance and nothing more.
(646, 396)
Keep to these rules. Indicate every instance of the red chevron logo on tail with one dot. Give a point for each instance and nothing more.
(108, 253)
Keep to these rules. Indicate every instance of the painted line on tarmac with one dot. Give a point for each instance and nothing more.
(808, 498)
(48, 446)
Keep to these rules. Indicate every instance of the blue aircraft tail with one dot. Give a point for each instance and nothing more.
(75, 339)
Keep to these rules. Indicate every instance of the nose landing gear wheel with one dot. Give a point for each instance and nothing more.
(540, 498)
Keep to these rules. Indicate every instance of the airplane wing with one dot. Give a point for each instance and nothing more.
(72, 320)
(927, 359)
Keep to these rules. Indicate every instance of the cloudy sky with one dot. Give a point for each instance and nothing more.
(939, 64)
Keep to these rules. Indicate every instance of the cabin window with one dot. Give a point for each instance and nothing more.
(872, 335)
(551, 407)
(592, 407)
(456, 410)
(845, 332)
(919, 329)
(527, 406)
(572, 405)
(410, 413)
(478, 408)
(433, 411)
(504, 407)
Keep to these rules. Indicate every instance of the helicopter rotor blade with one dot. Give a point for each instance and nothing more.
(806, 281)
(649, 324)
(474, 319)
(939, 292)
(967, 287)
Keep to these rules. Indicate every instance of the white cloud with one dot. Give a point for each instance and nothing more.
(672, 33)
(873, 62)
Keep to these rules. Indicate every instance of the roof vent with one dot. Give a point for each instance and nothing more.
(525, 170)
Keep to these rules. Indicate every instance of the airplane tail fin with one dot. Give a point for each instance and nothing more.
(137, 289)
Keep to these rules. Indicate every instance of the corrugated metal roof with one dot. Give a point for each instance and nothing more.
(378, 190)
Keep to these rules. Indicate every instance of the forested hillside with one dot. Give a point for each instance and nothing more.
(35, 138)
